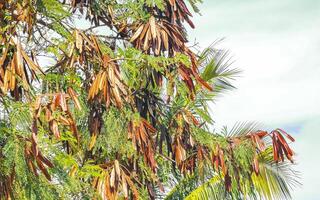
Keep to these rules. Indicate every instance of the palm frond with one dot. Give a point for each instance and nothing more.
(190, 188)
(275, 180)
(183, 187)
(216, 64)
(212, 189)
(240, 129)
(216, 70)
(194, 6)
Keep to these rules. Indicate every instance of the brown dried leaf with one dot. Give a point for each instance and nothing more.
(55, 129)
(74, 97)
(137, 33)
(124, 186)
(43, 169)
(117, 167)
(152, 23)
(112, 178)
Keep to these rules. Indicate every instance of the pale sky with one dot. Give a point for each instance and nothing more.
(277, 45)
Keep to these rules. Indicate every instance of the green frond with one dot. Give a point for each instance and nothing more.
(194, 6)
(190, 188)
(216, 70)
(216, 64)
(275, 180)
(212, 189)
(240, 129)
(183, 188)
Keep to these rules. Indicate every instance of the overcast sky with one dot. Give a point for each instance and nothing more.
(277, 45)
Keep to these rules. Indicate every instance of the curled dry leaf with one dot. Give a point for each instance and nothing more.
(227, 182)
(114, 180)
(16, 68)
(217, 159)
(74, 97)
(6, 184)
(84, 50)
(179, 151)
(37, 157)
(22, 13)
(280, 146)
(195, 160)
(158, 36)
(256, 164)
(178, 12)
(161, 36)
(141, 133)
(106, 84)
(108, 87)
(58, 102)
(257, 139)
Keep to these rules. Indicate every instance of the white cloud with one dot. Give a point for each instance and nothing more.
(279, 76)
(307, 148)
(281, 66)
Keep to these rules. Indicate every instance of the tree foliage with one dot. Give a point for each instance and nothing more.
(106, 99)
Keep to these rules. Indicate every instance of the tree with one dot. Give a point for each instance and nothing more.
(119, 109)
